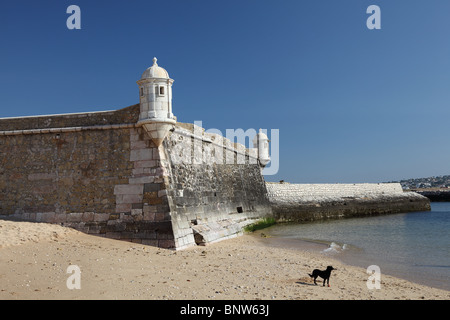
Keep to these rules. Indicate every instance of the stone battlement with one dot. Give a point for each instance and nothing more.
(16, 125)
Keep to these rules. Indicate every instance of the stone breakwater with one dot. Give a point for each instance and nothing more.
(308, 202)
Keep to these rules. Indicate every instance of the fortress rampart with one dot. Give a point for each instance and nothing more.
(102, 174)
(308, 202)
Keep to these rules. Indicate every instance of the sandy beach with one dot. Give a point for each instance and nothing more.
(34, 258)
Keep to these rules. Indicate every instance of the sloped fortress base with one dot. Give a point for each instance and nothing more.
(218, 230)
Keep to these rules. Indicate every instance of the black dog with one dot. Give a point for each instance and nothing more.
(325, 275)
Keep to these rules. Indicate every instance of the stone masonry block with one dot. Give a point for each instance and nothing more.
(149, 216)
(136, 211)
(149, 209)
(88, 217)
(153, 201)
(152, 187)
(128, 198)
(156, 154)
(74, 217)
(161, 216)
(125, 217)
(142, 180)
(123, 207)
(60, 217)
(48, 217)
(141, 154)
(134, 135)
(128, 189)
(112, 217)
(139, 205)
(145, 164)
(166, 244)
(137, 145)
(138, 172)
(101, 217)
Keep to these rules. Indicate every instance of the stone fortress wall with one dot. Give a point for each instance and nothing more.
(308, 202)
(100, 173)
(84, 171)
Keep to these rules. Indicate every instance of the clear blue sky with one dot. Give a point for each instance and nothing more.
(351, 104)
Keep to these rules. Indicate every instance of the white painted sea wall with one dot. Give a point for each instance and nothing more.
(306, 202)
(321, 192)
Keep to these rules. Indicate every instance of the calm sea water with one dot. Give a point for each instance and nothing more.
(413, 246)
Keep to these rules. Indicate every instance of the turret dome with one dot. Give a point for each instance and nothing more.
(155, 71)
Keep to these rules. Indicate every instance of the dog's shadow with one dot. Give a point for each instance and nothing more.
(305, 282)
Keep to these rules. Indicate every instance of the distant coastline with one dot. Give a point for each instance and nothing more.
(434, 194)
(436, 188)
(436, 182)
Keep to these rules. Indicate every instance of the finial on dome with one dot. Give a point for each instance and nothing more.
(154, 61)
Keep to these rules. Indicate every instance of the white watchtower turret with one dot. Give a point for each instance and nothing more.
(261, 143)
(155, 97)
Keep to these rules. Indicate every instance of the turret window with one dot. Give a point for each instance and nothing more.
(160, 90)
(142, 92)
